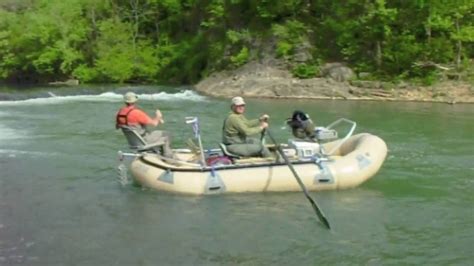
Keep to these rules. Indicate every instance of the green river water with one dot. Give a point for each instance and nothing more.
(61, 202)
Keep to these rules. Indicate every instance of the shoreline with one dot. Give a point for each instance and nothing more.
(425, 96)
(263, 81)
(262, 85)
(352, 99)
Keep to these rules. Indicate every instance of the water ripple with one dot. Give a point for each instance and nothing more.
(185, 95)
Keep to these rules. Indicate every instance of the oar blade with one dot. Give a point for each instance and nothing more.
(319, 213)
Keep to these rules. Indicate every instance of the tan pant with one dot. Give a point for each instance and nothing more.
(252, 147)
(161, 136)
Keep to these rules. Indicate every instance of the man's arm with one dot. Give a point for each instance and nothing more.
(146, 120)
(245, 127)
(158, 119)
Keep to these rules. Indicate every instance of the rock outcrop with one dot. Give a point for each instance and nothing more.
(257, 80)
(270, 81)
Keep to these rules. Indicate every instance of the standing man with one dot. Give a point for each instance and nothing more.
(237, 129)
(130, 115)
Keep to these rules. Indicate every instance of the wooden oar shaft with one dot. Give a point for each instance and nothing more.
(318, 211)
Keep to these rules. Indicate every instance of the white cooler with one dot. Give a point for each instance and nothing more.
(304, 149)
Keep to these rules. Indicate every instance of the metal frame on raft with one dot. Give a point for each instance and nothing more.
(329, 128)
(323, 134)
(190, 120)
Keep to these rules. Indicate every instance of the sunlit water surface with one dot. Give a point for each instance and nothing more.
(61, 202)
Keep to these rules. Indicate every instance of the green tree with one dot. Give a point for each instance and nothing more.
(120, 58)
(184, 40)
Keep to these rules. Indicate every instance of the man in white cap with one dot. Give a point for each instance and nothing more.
(130, 115)
(237, 129)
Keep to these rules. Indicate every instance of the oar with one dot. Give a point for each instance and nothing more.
(318, 211)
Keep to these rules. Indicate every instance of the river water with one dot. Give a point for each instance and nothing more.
(61, 202)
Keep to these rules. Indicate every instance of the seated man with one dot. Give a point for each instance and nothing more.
(130, 115)
(237, 129)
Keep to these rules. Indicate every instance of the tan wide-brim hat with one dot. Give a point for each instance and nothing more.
(238, 101)
(130, 97)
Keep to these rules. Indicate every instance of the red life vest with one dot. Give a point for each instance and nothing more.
(122, 116)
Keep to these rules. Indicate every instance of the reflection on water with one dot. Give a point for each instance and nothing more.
(62, 204)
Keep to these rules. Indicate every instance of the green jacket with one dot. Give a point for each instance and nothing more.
(237, 127)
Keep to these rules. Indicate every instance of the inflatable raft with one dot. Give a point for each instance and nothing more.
(338, 164)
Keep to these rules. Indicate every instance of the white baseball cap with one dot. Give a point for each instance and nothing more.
(238, 101)
(130, 97)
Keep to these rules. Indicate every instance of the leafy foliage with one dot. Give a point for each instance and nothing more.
(181, 41)
(305, 71)
(240, 58)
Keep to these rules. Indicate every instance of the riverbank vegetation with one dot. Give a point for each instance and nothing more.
(183, 41)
